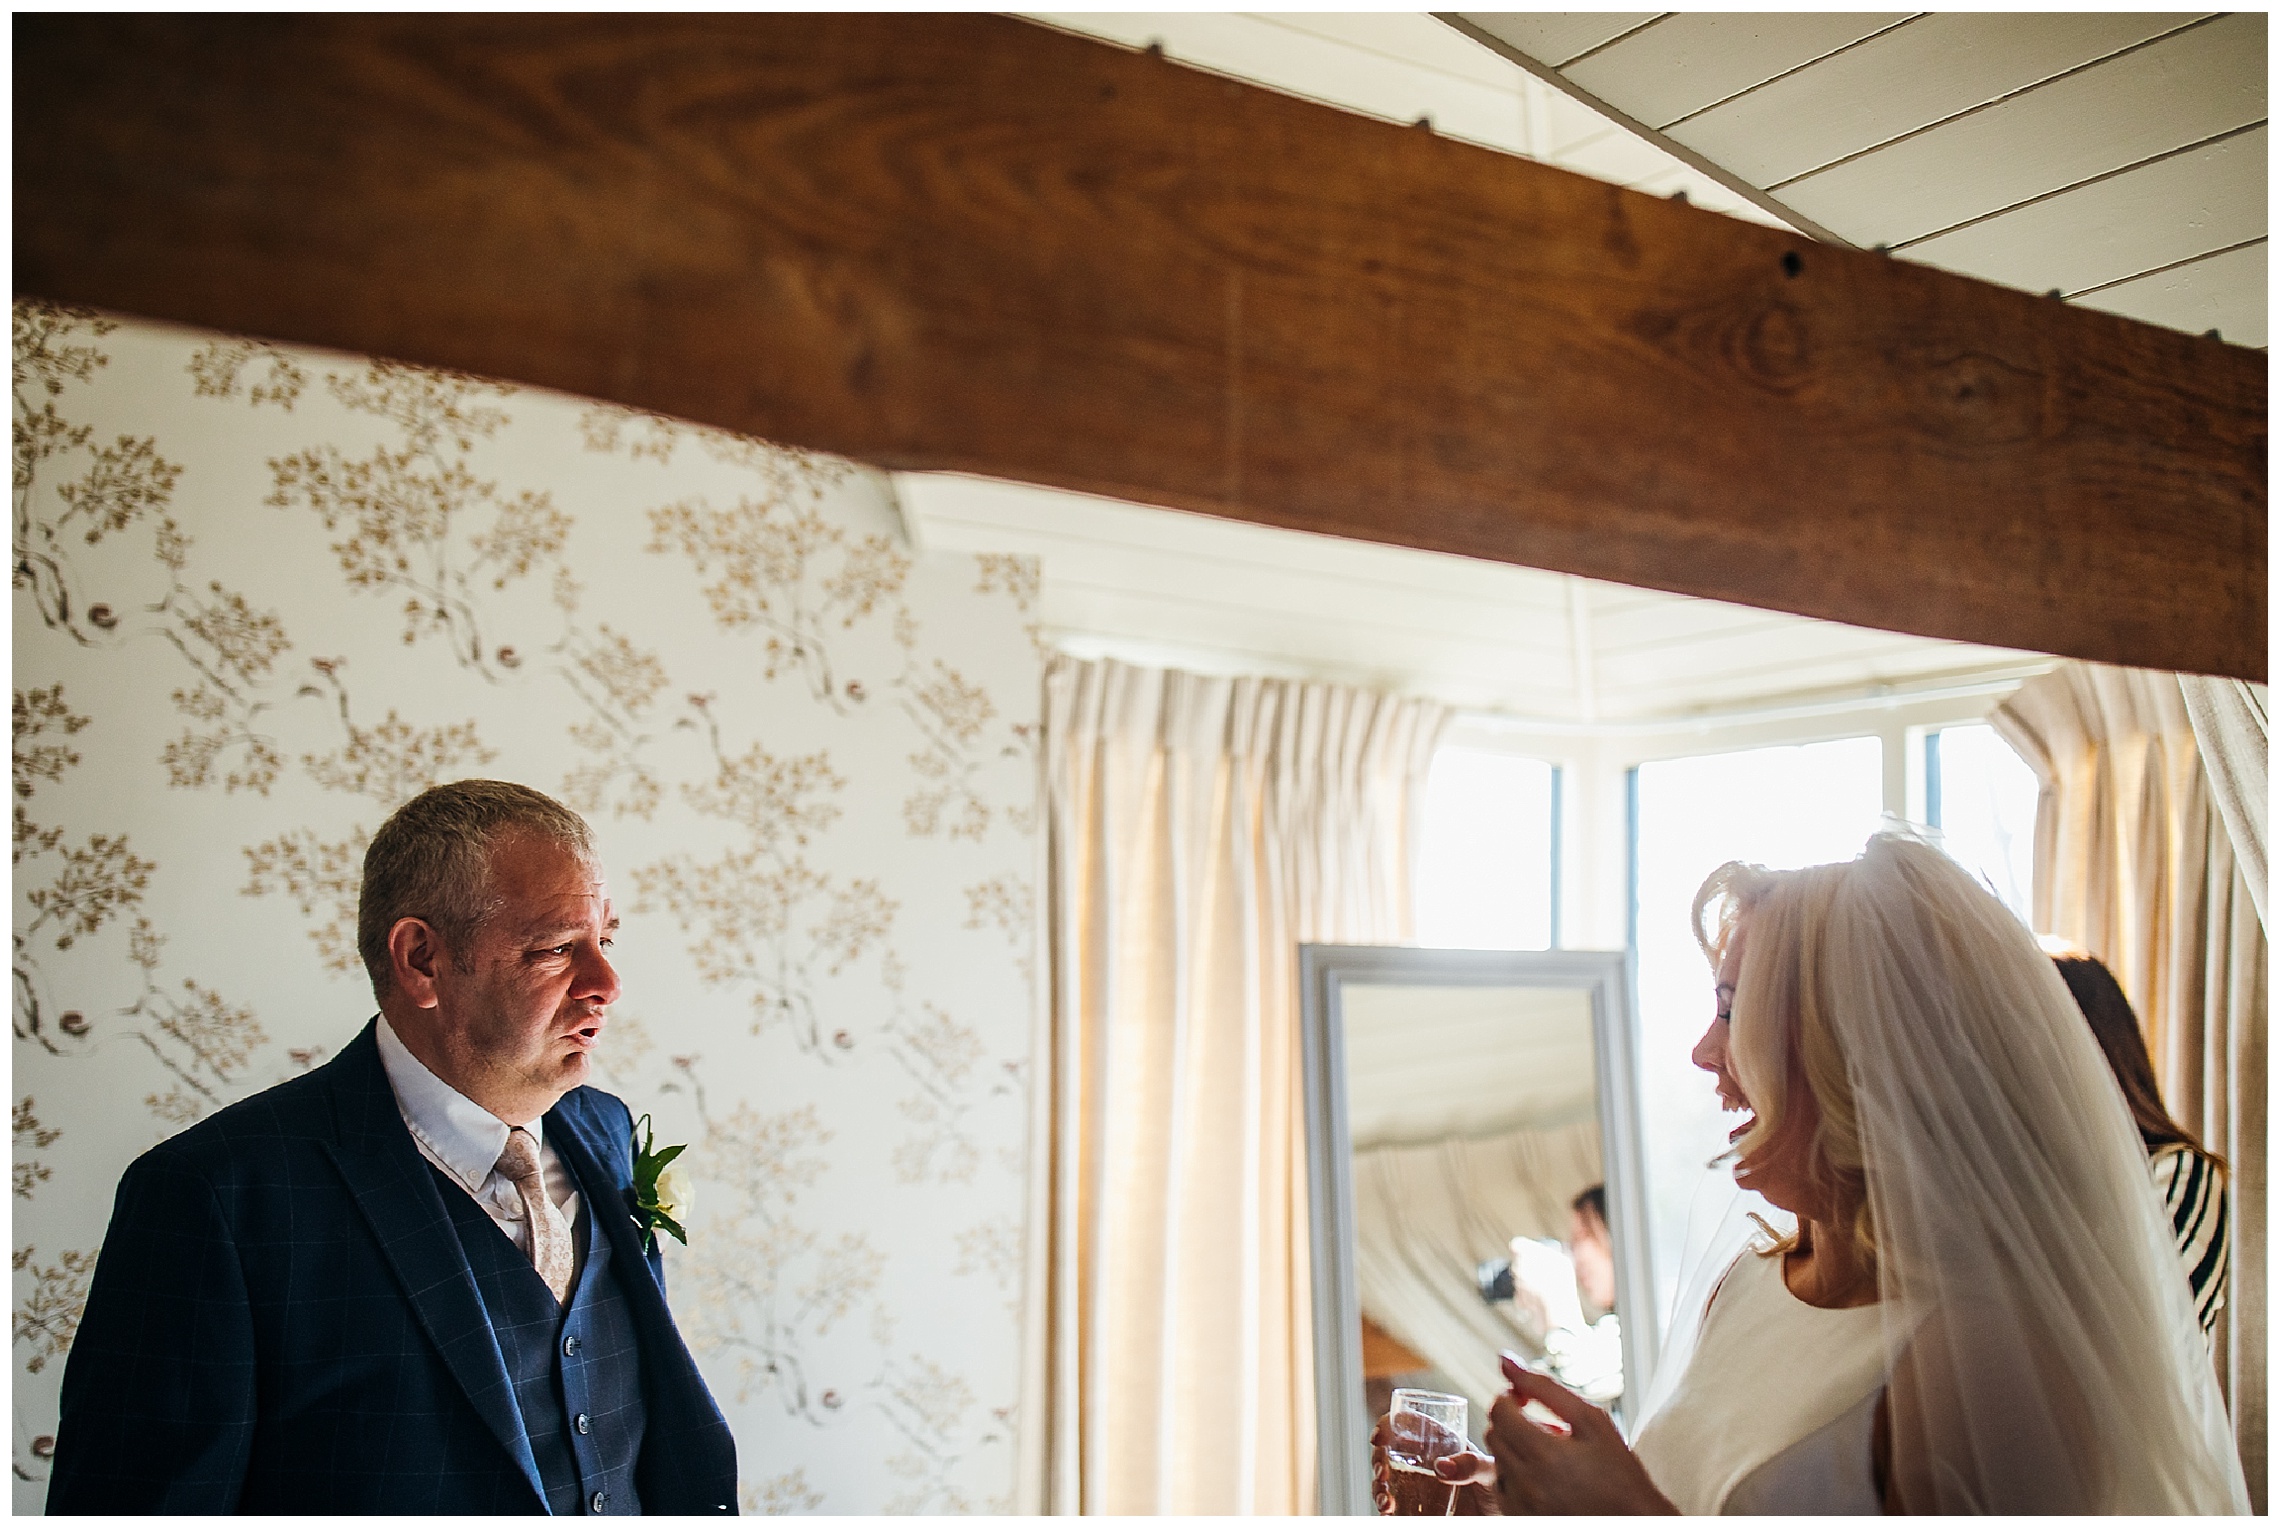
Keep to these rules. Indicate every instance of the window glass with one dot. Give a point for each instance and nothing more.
(1981, 796)
(1484, 867)
(1777, 807)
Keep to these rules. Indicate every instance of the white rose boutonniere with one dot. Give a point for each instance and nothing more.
(676, 1193)
(661, 1190)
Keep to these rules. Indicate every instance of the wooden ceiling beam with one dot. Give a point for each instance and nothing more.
(972, 243)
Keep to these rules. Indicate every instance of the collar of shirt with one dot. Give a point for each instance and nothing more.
(460, 1135)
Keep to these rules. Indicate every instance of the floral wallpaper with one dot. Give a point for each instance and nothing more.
(264, 595)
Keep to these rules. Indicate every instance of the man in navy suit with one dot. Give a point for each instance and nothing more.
(412, 1280)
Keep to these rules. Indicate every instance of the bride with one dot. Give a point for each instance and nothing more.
(1979, 1310)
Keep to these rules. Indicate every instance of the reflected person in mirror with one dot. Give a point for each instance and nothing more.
(1587, 1355)
(1566, 1293)
(1593, 1249)
(409, 1281)
(1978, 1308)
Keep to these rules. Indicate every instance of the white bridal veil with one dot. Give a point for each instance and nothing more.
(2042, 1347)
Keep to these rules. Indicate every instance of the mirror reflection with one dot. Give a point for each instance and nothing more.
(1474, 1090)
(1474, 1136)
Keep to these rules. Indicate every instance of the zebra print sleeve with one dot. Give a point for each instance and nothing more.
(2193, 1193)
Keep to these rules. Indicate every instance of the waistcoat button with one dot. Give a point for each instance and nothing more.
(570, 1347)
(584, 1424)
(601, 1501)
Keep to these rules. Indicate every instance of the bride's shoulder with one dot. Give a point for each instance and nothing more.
(1752, 1262)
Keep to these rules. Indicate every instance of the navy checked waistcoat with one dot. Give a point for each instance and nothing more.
(576, 1370)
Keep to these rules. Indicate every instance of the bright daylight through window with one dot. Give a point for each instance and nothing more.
(1981, 796)
(1485, 866)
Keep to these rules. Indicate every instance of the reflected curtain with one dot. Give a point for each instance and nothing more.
(2134, 862)
(1198, 830)
(1426, 1216)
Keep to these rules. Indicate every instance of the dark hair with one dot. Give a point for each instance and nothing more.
(1593, 1202)
(431, 860)
(2115, 1024)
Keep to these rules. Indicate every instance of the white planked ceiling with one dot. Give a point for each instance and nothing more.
(2117, 158)
(1221, 596)
(1793, 103)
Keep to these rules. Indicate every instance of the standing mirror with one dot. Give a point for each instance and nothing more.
(1459, 1106)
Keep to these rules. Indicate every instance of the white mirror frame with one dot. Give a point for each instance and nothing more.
(1325, 970)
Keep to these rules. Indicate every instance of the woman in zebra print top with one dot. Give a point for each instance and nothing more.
(2190, 1177)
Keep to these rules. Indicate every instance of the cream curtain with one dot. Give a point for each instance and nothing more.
(2134, 863)
(2232, 724)
(1425, 1217)
(1198, 831)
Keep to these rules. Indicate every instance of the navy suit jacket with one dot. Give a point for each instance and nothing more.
(282, 1320)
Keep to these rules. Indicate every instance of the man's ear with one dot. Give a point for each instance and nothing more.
(415, 950)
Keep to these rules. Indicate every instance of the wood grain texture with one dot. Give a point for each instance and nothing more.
(972, 243)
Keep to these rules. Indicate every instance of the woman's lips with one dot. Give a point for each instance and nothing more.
(1733, 1102)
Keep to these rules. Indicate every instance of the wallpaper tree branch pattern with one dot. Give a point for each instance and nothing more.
(262, 596)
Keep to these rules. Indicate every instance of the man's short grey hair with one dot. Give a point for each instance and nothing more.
(431, 860)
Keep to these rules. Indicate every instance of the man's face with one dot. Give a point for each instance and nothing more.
(521, 1023)
(1594, 1259)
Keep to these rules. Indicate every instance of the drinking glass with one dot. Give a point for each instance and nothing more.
(1439, 1432)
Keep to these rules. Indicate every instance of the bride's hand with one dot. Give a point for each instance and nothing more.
(1587, 1468)
(1473, 1476)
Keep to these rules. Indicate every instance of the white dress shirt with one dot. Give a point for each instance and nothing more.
(464, 1139)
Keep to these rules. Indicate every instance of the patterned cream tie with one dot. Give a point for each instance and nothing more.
(550, 1250)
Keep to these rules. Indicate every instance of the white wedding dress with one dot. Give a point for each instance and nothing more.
(1774, 1415)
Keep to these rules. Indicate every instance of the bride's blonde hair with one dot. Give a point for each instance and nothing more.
(1781, 1031)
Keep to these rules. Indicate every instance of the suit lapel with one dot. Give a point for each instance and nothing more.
(394, 1188)
(612, 1214)
(683, 1414)
(688, 1437)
